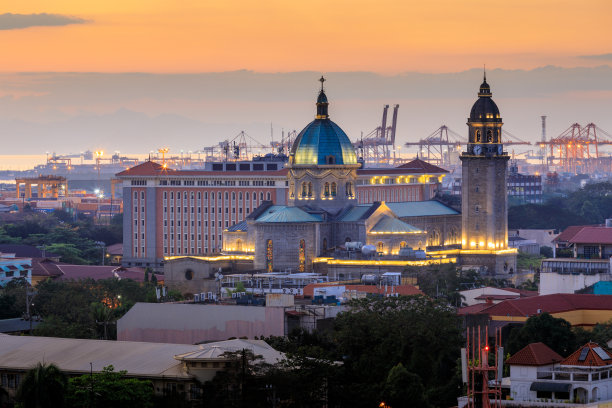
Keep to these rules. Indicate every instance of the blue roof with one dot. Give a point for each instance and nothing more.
(241, 226)
(281, 214)
(356, 213)
(321, 139)
(420, 208)
(390, 225)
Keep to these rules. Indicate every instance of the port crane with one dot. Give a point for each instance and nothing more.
(378, 147)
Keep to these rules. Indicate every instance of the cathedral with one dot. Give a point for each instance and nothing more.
(322, 213)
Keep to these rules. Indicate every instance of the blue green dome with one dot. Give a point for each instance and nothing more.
(322, 142)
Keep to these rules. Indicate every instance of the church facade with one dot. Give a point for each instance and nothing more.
(322, 213)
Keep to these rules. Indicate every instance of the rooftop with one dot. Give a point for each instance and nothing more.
(285, 214)
(590, 235)
(534, 354)
(589, 355)
(529, 306)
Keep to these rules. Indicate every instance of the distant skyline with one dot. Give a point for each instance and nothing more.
(136, 75)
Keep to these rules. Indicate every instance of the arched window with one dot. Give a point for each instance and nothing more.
(304, 189)
(240, 195)
(334, 189)
(268, 196)
(269, 256)
(246, 195)
(302, 256)
(489, 136)
(326, 190)
(380, 246)
(239, 245)
(261, 196)
(477, 136)
(291, 190)
(324, 244)
(309, 189)
(349, 189)
(403, 244)
(233, 195)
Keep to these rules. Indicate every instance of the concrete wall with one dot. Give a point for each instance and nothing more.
(194, 323)
(286, 243)
(178, 271)
(551, 282)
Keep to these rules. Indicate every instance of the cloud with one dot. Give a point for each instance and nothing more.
(604, 57)
(10, 21)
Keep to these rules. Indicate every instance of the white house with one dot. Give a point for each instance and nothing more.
(538, 374)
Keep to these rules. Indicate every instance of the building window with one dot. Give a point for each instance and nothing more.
(326, 190)
(334, 189)
(269, 256)
(380, 246)
(302, 256)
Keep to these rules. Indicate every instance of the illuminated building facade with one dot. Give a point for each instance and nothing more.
(484, 203)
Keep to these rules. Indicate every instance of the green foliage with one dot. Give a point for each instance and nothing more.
(377, 334)
(74, 241)
(109, 389)
(238, 289)
(42, 387)
(554, 332)
(86, 309)
(402, 386)
(588, 205)
(12, 298)
(528, 261)
(601, 334)
(546, 251)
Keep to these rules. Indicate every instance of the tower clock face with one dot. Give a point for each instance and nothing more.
(477, 150)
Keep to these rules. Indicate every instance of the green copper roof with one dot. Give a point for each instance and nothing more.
(356, 213)
(390, 225)
(281, 214)
(420, 208)
(322, 142)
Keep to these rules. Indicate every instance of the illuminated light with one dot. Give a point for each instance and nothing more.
(491, 245)
(486, 348)
(481, 244)
(472, 244)
(434, 261)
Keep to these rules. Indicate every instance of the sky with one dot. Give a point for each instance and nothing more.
(134, 75)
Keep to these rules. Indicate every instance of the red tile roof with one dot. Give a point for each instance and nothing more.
(150, 168)
(592, 235)
(592, 359)
(474, 309)
(79, 272)
(416, 166)
(45, 267)
(529, 306)
(115, 249)
(534, 354)
(569, 233)
(403, 290)
(485, 296)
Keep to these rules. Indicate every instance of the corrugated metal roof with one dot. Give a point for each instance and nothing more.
(392, 225)
(281, 214)
(74, 355)
(420, 208)
(218, 349)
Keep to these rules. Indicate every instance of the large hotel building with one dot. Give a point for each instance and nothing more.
(184, 212)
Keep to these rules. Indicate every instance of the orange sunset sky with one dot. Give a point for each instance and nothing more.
(384, 36)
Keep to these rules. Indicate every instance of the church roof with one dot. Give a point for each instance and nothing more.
(284, 214)
(420, 208)
(390, 225)
(322, 142)
(355, 213)
(239, 227)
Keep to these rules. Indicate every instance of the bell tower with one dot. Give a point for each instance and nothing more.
(484, 202)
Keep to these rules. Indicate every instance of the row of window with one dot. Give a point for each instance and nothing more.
(247, 196)
(200, 183)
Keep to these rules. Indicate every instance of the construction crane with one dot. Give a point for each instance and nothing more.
(241, 147)
(376, 147)
(437, 147)
(577, 150)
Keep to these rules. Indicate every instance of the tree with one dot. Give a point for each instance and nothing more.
(554, 332)
(402, 386)
(108, 389)
(43, 386)
(377, 334)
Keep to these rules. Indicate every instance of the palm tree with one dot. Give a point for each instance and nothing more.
(42, 387)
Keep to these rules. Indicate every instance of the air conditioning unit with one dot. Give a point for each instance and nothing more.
(203, 296)
(211, 296)
(234, 295)
(196, 297)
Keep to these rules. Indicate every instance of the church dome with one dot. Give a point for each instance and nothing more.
(322, 142)
(484, 108)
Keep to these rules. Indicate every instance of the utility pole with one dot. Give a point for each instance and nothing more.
(30, 293)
